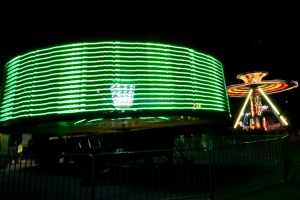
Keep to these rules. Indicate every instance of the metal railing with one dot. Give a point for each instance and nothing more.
(178, 173)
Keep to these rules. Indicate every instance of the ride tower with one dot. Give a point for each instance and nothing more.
(254, 115)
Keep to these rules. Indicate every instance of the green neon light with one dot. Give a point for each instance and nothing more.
(79, 121)
(78, 78)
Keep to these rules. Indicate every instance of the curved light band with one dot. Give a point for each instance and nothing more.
(77, 78)
(269, 87)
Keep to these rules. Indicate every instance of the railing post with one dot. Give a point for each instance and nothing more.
(93, 190)
(284, 158)
(210, 179)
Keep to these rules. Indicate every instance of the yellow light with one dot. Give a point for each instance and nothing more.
(243, 109)
(283, 120)
(273, 106)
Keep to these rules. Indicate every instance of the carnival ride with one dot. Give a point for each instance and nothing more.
(111, 86)
(131, 95)
(253, 115)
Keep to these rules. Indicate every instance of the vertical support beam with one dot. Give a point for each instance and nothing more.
(243, 109)
(281, 118)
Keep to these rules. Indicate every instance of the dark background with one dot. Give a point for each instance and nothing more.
(243, 37)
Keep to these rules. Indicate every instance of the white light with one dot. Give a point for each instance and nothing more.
(122, 95)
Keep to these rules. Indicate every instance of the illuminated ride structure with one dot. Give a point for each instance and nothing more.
(255, 115)
(112, 87)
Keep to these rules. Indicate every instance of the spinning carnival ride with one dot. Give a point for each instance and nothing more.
(255, 115)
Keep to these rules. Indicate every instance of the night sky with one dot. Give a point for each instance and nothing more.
(255, 38)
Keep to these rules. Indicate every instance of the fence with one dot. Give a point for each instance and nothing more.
(182, 172)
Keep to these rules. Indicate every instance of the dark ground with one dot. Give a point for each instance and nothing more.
(277, 190)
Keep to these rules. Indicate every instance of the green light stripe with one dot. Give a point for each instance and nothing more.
(184, 67)
(101, 45)
(24, 95)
